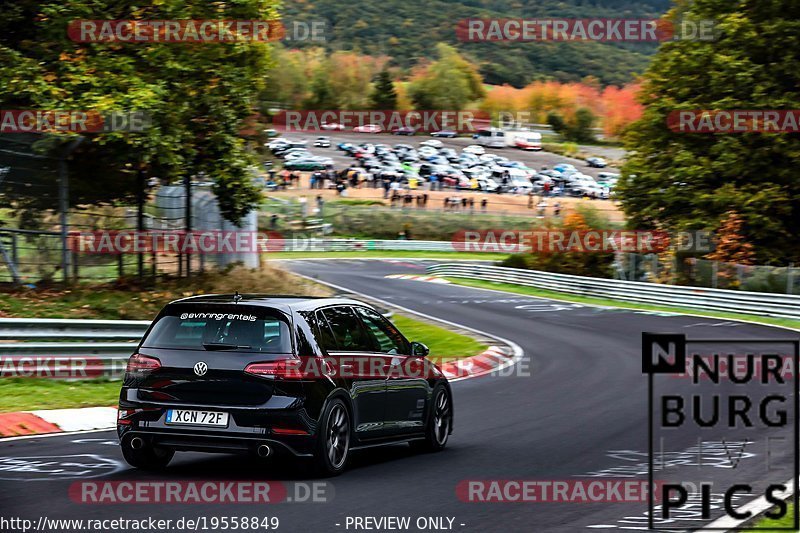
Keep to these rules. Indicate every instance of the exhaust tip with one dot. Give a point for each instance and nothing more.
(264, 451)
(137, 443)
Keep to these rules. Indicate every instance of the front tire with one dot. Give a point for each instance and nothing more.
(440, 422)
(333, 441)
(147, 457)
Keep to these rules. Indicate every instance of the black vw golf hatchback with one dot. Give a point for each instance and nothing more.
(308, 377)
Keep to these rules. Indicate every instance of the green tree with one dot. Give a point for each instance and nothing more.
(577, 129)
(450, 82)
(322, 95)
(197, 95)
(690, 180)
(383, 94)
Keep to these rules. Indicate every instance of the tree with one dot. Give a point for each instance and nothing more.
(322, 95)
(383, 95)
(730, 246)
(449, 83)
(597, 264)
(690, 180)
(197, 95)
(577, 128)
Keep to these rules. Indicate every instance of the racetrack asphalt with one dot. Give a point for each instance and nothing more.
(576, 407)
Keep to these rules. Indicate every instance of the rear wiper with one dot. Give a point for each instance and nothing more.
(223, 346)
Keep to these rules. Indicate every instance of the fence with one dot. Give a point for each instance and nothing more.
(695, 272)
(30, 256)
(755, 303)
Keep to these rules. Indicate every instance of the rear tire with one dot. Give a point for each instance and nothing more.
(333, 441)
(439, 424)
(148, 457)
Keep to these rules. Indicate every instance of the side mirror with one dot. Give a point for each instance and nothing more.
(419, 350)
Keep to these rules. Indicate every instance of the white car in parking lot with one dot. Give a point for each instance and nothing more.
(323, 142)
(433, 143)
(427, 151)
(475, 149)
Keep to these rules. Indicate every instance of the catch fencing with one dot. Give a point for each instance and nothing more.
(753, 303)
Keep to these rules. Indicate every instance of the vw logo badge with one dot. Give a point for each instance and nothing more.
(200, 368)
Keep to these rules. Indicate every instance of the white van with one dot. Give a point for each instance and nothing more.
(524, 140)
(491, 137)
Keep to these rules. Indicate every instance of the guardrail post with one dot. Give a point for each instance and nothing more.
(714, 274)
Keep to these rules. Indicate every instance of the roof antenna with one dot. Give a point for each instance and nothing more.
(237, 297)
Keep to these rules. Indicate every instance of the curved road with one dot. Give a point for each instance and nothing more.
(575, 408)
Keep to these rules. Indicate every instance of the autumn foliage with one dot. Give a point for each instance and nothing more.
(615, 106)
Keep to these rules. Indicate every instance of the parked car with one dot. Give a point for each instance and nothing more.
(596, 162)
(475, 149)
(296, 153)
(368, 128)
(565, 168)
(427, 151)
(332, 126)
(323, 142)
(607, 176)
(524, 140)
(445, 133)
(449, 153)
(404, 131)
(259, 375)
(433, 143)
(491, 137)
(309, 163)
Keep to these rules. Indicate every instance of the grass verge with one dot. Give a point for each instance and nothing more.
(26, 394)
(786, 522)
(443, 343)
(532, 291)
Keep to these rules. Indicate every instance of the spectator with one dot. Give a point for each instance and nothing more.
(446, 203)
(472, 205)
(303, 207)
(320, 204)
(484, 203)
(557, 209)
(542, 207)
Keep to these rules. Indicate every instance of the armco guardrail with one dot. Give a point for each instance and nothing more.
(754, 303)
(343, 245)
(67, 348)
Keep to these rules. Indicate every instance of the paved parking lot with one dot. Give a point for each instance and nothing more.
(535, 160)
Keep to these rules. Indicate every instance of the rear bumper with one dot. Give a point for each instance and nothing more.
(290, 430)
(215, 443)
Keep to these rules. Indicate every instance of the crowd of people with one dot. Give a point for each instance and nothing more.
(400, 195)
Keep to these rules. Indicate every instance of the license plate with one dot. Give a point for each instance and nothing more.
(197, 418)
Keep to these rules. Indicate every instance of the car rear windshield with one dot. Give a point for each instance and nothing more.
(240, 330)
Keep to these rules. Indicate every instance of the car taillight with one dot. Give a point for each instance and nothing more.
(281, 369)
(142, 363)
(123, 416)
